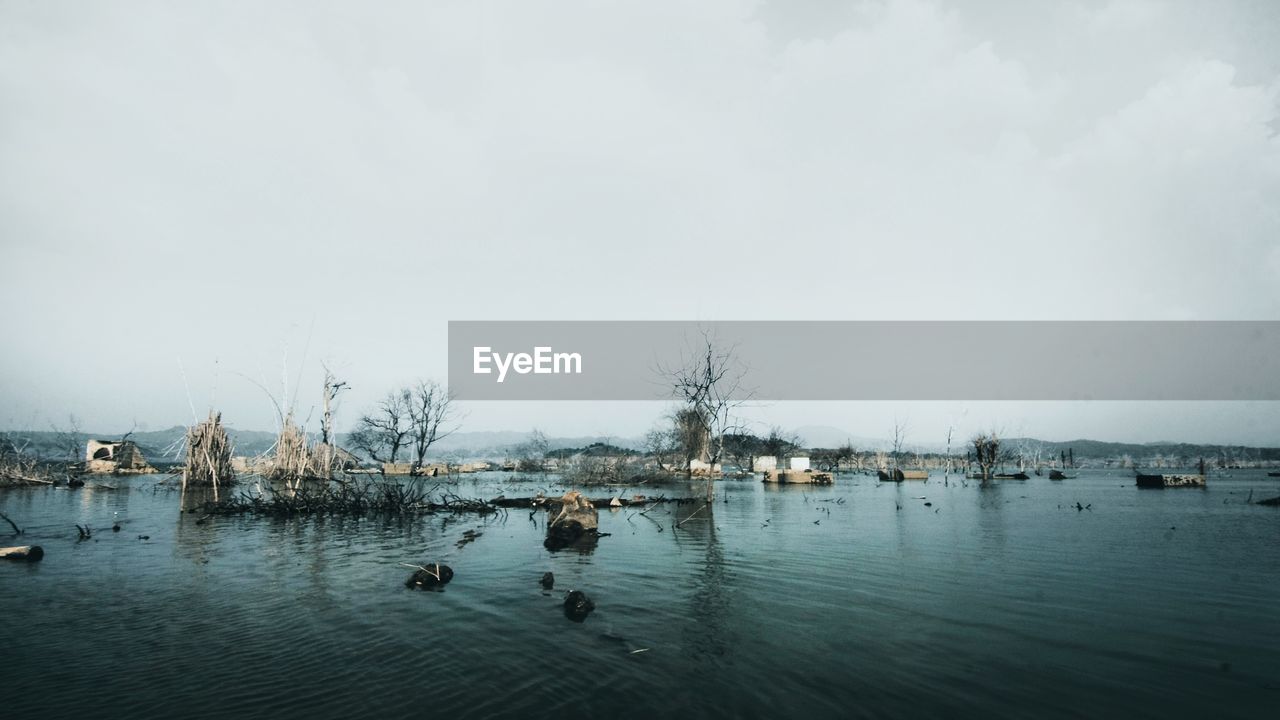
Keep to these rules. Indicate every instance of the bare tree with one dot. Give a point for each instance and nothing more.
(899, 438)
(327, 454)
(986, 450)
(662, 444)
(845, 454)
(70, 440)
(709, 383)
(532, 453)
(780, 444)
(382, 433)
(431, 415)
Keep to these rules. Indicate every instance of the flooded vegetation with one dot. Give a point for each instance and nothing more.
(1054, 598)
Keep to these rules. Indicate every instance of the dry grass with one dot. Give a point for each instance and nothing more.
(208, 455)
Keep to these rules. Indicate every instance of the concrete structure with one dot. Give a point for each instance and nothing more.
(798, 477)
(701, 467)
(764, 463)
(115, 456)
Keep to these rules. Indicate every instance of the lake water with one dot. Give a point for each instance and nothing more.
(855, 600)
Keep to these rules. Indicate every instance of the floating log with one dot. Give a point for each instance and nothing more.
(1273, 502)
(29, 553)
(1273, 474)
(1057, 475)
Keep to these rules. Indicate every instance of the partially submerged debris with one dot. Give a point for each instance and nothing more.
(429, 577)
(576, 523)
(577, 606)
(548, 580)
(469, 537)
(798, 476)
(1273, 502)
(29, 553)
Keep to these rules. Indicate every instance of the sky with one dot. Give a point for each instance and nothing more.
(199, 200)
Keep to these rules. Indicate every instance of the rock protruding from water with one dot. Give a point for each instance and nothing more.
(577, 606)
(575, 525)
(548, 580)
(430, 577)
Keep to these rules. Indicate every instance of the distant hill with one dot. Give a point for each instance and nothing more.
(166, 445)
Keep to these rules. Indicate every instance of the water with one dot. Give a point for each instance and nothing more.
(785, 602)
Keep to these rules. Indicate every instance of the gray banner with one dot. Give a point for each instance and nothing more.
(858, 360)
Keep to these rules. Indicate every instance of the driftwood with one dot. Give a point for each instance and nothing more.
(16, 530)
(29, 553)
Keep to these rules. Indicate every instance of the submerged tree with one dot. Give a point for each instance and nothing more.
(381, 434)
(326, 455)
(531, 455)
(662, 444)
(431, 415)
(986, 451)
(709, 384)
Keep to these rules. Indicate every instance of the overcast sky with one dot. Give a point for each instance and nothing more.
(219, 189)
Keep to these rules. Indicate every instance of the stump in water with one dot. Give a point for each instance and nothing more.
(576, 523)
(577, 606)
(430, 577)
(29, 553)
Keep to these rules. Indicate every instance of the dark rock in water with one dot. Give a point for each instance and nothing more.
(115, 528)
(430, 577)
(577, 606)
(548, 581)
(144, 537)
(75, 483)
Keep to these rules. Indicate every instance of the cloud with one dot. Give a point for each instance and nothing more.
(379, 173)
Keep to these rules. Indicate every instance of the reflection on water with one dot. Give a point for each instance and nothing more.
(863, 598)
